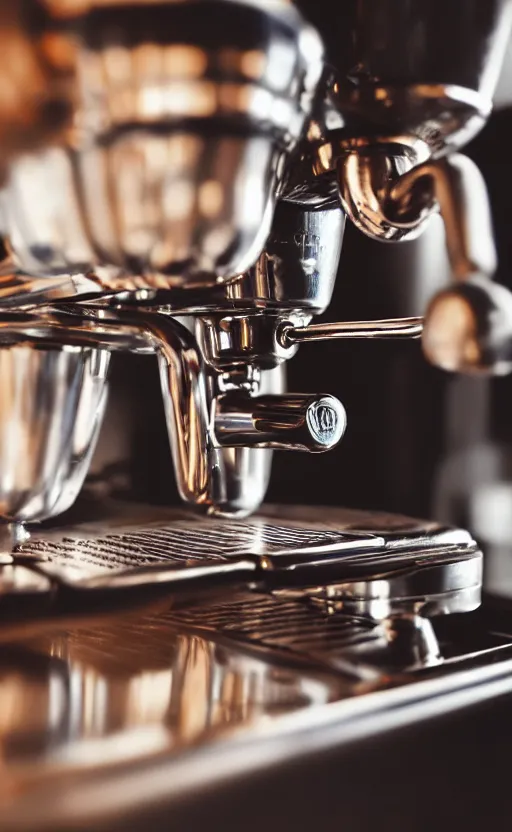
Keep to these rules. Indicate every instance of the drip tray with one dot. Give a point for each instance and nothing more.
(117, 696)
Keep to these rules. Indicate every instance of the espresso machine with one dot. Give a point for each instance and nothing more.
(176, 176)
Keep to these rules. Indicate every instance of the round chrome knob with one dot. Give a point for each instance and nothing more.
(468, 328)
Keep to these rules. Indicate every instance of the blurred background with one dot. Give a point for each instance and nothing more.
(419, 441)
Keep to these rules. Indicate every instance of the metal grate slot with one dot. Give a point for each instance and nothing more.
(182, 542)
(294, 626)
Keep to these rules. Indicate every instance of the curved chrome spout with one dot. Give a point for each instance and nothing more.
(229, 481)
(183, 382)
(185, 404)
(390, 201)
(366, 176)
(183, 388)
(467, 327)
(457, 189)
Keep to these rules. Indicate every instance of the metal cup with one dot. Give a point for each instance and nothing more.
(51, 408)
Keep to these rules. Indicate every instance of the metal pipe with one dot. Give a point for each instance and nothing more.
(390, 328)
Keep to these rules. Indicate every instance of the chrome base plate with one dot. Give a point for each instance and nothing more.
(115, 699)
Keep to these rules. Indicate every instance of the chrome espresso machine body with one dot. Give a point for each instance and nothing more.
(176, 177)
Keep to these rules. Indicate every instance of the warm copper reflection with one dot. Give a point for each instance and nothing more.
(37, 90)
(450, 336)
(70, 8)
(139, 672)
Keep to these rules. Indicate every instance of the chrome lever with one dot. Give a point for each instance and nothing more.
(288, 335)
(467, 328)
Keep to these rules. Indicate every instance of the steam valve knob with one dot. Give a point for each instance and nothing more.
(468, 328)
(294, 422)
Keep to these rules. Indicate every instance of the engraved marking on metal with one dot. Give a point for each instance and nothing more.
(308, 244)
(323, 421)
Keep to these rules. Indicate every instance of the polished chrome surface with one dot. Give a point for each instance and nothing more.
(366, 176)
(390, 328)
(375, 565)
(457, 189)
(182, 382)
(233, 339)
(242, 474)
(443, 116)
(21, 290)
(101, 779)
(218, 479)
(429, 66)
(179, 689)
(141, 185)
(186, 198)
(296, 271)
(103, 690)
(300, 261)
(51, 409)
(468, 328)
(290, 422)
(390, 199)
(176, 177)
(184, 393)
(184, 386)
(131, 690)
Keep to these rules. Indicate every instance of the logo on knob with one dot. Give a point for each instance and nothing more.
(326, 422)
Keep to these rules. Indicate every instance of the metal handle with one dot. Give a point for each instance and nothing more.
(389, 328)
(295, 422)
